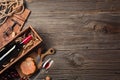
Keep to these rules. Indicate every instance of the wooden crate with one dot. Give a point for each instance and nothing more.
(36, 41)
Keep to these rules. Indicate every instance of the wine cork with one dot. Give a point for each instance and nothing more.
(13, 34)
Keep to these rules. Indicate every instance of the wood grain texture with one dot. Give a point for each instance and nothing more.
(85, 34)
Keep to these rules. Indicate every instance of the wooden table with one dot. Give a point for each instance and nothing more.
(85, 34)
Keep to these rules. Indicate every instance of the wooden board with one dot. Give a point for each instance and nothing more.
(82, 51)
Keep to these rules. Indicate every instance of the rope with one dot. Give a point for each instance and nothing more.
(10, 7)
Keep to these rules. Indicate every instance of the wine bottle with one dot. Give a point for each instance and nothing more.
(12, 50)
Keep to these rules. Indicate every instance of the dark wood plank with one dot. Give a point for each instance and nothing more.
(84, 64)
(77, 5)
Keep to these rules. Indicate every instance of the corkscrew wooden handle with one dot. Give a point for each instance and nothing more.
(42, 56)
(49, 51)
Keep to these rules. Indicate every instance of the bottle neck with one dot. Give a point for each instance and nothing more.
(26, 40)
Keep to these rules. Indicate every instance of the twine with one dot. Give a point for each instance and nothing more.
(10, 7)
